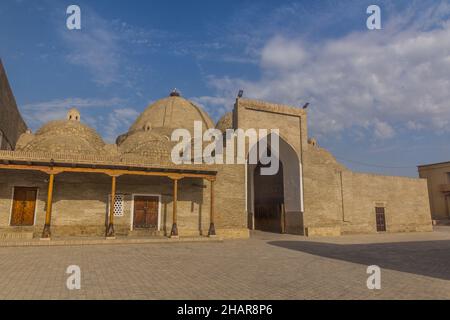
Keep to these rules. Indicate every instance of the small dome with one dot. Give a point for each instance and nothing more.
(154, 143)
(64, 136)
(73, 115)
(172, 112)
(226, 122)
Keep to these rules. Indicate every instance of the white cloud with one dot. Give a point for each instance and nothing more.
(379, 81)
(95, 47)
(280, 53)
(383, 130)
(215, 106)
(39, 113)
(118, 121)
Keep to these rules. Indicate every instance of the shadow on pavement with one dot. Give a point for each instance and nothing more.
(427, 258)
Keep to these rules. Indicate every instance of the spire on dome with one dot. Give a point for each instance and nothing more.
(175, 93)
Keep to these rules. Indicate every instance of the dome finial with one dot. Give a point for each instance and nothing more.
(73, 115)
(174, 93)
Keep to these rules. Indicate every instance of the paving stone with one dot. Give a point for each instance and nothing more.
(267, 266)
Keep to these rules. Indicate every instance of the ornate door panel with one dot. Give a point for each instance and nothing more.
(24, 205)
(146, 212)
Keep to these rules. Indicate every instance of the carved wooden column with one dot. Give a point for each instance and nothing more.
(212, 229)
(46, 233)
(174, 231)
(110, 228)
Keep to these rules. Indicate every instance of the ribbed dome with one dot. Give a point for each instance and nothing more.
(172, 112)
(226, 122)
(63, 136)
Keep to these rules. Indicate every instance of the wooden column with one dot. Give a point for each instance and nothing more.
(174, 231)
(46, 233)
(212, 229)
(283, 218)
(110, 228)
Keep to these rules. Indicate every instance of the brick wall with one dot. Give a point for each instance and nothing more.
(438, 176)
(11, 122)
(338, 201)
(80, 202)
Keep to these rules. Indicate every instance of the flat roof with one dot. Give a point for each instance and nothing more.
(434, 164)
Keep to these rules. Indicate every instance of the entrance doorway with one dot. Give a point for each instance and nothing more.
(266, 194)
(269, 198)
(146, 212)
(24, 206)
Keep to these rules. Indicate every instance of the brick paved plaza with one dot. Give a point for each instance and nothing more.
(267, 266)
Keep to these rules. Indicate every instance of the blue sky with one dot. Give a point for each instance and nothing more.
(380, 100)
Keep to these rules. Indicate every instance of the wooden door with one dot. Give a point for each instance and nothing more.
(381, 219)
(24, 205)
(269, 197)
(146, 212)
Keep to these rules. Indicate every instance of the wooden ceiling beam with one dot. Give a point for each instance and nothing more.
(110, 172)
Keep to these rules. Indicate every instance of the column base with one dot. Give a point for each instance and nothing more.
(212, 230)
(46, 233)
(110, 231)
(174, 231)
(45, 239)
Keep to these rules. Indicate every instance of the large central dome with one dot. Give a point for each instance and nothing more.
(150, 135)
(172, 112)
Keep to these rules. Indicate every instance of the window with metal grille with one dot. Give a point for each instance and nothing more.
(380, 219)
(118, 204)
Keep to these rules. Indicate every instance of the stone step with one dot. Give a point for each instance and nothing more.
(443, 222)
(15, 235)
(145, 233)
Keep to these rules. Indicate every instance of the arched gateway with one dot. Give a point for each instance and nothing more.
(274, 201)
(269, 200)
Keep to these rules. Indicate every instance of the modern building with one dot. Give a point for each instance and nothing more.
(64, 180)
(438, 177)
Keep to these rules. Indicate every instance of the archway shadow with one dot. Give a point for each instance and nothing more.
(427, 258)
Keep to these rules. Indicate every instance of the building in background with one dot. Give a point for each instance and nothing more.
(11, 122)
(438, 177)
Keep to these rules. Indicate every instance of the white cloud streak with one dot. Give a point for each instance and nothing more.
(117, 120)
(95, 47)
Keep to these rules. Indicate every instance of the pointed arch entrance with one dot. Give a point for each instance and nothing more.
(268, 200)
(274, 202)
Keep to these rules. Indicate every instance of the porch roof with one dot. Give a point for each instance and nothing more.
(111, 165)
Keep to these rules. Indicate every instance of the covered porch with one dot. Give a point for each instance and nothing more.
(115, 173)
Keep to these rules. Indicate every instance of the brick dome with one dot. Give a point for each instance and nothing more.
(154, 143)
(172, 112)
(63, 136)
(226, 122)
(150, 134)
